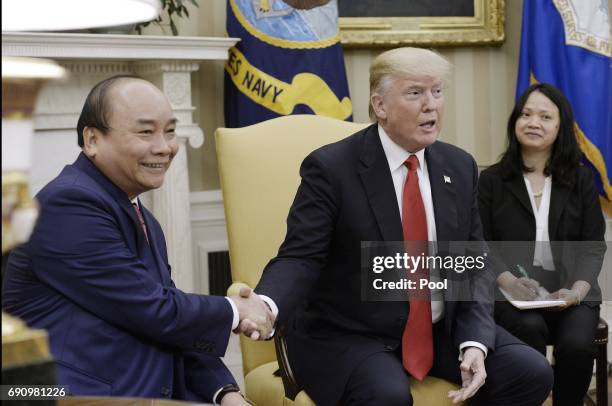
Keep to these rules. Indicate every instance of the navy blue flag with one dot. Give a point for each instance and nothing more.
(288, 61)
(567, 43)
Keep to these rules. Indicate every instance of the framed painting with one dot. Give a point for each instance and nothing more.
(391, 23)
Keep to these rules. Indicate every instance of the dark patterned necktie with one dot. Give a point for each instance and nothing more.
(141, 220)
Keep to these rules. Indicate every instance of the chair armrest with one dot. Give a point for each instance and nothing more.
(292, 389)
(601, 334)
(234, 289)
(289, 383)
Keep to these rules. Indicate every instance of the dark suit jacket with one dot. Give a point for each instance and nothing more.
(346, 196)
(117, 325)
(576, 225)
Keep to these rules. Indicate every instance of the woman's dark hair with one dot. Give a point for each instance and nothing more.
(565, 156)
(97, 106)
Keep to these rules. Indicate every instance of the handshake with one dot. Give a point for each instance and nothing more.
(256, 318)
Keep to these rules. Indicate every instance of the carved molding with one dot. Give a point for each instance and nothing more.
(177, 87)
(96, 68)
(207, 209)
(115, 47)
(146, 68)
(208, 231)
(84, 67)
(193, 133)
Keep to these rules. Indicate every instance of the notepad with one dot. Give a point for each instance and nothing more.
(540, 302)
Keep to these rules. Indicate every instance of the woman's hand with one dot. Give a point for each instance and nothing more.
(519, 288)
(571, 297)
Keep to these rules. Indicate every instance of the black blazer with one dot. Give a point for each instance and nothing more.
(347, 196)
(576, 225)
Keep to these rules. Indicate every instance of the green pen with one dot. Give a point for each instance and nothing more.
(523, 272)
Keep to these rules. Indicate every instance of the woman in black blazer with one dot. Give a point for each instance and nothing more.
(539, 191)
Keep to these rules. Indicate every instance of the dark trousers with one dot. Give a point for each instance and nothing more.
(517, 375)
(570, 331)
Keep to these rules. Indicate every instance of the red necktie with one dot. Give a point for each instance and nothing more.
(141, 219)
(417, 341)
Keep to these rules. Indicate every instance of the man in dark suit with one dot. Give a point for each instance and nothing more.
(392, 181)
(95, 272)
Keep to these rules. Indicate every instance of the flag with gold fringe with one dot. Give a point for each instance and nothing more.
(288, 61)
(567, 43)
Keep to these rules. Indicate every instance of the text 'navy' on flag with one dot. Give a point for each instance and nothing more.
(288, 61)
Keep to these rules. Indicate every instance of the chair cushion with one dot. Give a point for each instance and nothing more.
(302, 399)
(265, 389)
(432, 391)
(262, 387)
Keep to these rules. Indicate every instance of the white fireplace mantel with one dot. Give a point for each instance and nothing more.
(114, 47)
(164, 60)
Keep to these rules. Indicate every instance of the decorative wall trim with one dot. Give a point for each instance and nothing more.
(201, 263)
(207, 209)
(144, 68)
(208, 231)
(114, 47)
(95, 68)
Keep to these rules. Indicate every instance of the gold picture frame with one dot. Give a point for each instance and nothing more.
(485, 27)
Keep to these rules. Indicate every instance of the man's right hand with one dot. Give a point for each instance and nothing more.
(256, 318)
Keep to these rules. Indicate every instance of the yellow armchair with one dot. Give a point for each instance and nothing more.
(259, 172)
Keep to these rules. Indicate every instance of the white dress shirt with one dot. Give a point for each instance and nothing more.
(542, 255)
(396, 156)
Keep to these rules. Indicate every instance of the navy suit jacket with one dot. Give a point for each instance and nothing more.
(117, 324)
(347, 196)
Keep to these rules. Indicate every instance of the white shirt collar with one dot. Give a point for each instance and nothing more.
(396, 155)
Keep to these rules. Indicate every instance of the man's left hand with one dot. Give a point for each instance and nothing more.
(473, 375)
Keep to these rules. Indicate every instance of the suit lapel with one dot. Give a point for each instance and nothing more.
(516, 186)
(378, 184)
(443, 195)
(558, 199)
(141, 241)
(84, 164)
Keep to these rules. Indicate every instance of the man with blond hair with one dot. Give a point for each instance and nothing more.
(392, 181)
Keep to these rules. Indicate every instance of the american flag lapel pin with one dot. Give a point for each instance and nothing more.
(447, 179)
